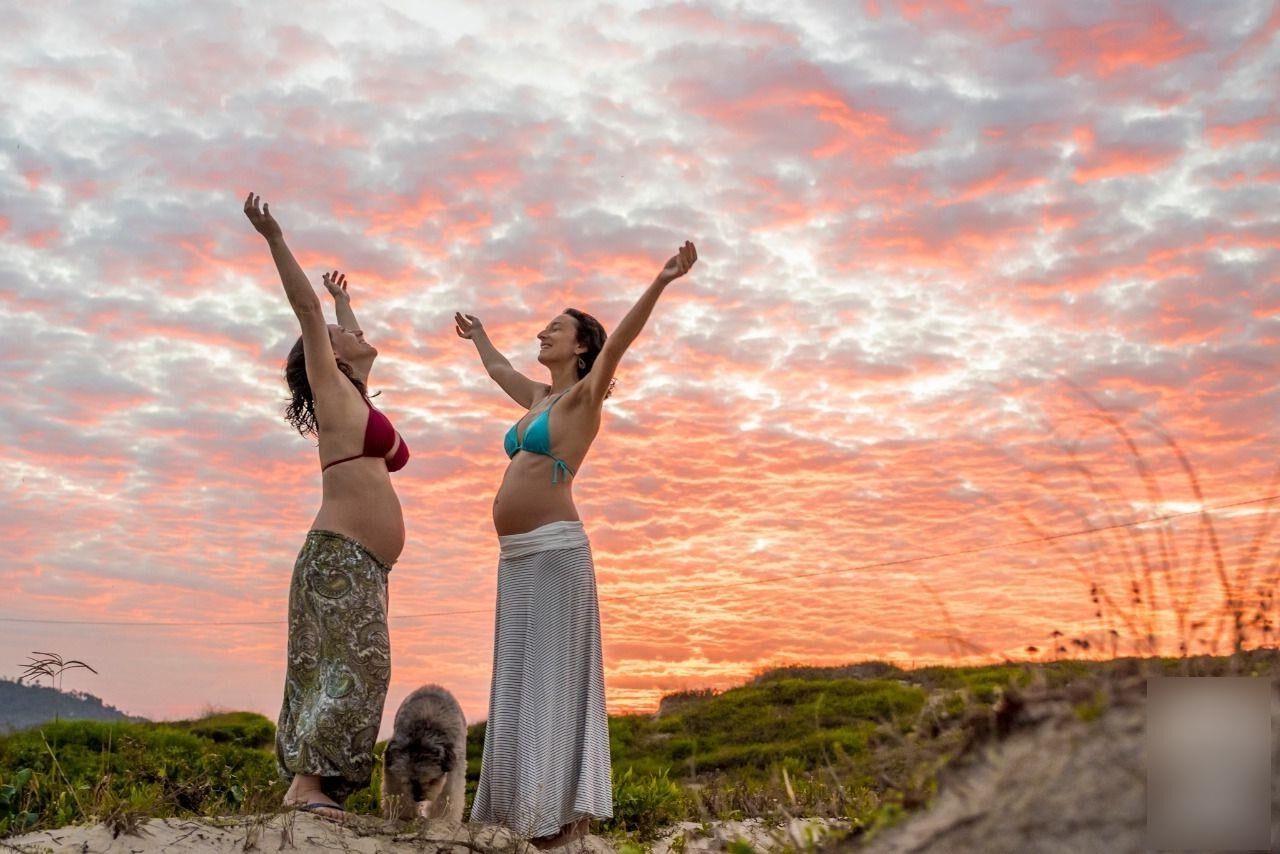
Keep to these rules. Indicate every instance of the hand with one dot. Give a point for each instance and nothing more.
(261, 218)
(336, 284)
(679, 264)
(468, 326)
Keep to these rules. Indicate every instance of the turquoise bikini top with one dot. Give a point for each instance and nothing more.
(537, 440)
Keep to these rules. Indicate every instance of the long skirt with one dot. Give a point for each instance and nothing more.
(546, 744)
(339, 664)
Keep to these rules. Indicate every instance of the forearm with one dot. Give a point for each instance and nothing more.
(346, 317)
(489, 354)
(296, 285)
(630, 325)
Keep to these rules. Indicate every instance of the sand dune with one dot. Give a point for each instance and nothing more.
(296, 831)
(293, 830)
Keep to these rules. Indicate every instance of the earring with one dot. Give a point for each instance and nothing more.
(582, 366)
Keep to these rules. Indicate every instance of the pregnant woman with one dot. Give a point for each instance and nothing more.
(339, 660)
(545, 770)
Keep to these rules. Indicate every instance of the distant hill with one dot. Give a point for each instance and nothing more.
(23, 705)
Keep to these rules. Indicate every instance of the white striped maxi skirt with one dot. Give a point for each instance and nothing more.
(546, 744)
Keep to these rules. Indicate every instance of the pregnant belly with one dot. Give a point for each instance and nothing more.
(364, 506)
(528, 499)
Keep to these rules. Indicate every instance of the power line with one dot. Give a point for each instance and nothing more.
(702, 587)
(180, 623)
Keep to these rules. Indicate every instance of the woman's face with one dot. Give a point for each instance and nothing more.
(558, 342)
(349, 345)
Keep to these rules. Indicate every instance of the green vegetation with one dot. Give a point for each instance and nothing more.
(862, 743)
(74, 771)
(803, 741)
(645, 805)
(750, 729)
(243, 729)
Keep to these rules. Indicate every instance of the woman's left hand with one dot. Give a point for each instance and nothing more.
(680, 263)
(336, 284)
(261, 217)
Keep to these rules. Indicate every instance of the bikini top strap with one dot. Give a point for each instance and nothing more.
(560, 470)
(558, 467)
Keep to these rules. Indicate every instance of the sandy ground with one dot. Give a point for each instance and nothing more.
(799, 834)
(297, 831)
(291, 831)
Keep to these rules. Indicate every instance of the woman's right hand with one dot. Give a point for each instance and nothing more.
(468, 326)
(261, 217)
(679, 264)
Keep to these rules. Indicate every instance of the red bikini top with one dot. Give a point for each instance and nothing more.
(379, 439)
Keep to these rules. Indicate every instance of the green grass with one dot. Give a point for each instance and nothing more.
(245, 729)
(716, 754)
(792, 742)
(756, 726)
(112, 771)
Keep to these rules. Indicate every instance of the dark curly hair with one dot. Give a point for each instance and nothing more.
(591, 335)
(301, 410)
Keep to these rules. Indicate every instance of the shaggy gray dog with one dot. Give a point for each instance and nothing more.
(424, 769)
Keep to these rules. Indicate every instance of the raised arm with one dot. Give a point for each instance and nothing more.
(520, 388)
(321, 366)
(629, 327)
(336, 284)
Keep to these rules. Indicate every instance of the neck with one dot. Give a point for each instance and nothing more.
(563, 377)
(360, 370)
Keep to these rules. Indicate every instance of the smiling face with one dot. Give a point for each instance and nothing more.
(558, 342)
(350, 346)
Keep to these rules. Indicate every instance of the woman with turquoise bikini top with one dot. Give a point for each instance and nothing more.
(545, 770)
(545, 765)
(546, 447)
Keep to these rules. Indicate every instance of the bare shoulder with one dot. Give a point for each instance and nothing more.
(540, 393)
(338, 405)
(581, 397)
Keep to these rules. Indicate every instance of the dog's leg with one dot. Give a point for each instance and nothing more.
(433, 798)
(397, 798)
(454, 797)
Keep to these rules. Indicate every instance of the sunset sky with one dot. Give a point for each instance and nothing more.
(941, 244)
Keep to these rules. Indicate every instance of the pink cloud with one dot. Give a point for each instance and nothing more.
(694, 17)
(975, 16)
(1145, 37)
(1246, 178)
(1123, 161)
(1237, 133)
(35, 176)
(43, 238)
(821, 119)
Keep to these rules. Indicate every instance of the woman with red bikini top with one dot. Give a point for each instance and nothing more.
(339, 658)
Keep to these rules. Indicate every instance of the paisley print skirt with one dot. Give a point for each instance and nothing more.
(339, 664)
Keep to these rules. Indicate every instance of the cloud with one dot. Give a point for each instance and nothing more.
(934, 239)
